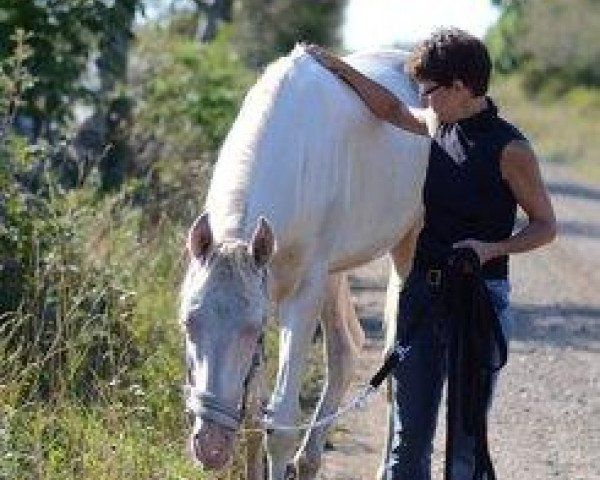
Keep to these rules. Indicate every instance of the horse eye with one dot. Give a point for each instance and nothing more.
(191, 319)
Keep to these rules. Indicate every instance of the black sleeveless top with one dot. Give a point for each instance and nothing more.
(465, 195)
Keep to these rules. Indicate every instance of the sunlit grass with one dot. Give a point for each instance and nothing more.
(69, 441)
(94, 390)
(90, 377)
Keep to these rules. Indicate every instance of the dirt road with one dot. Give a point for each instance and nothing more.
(545, 423)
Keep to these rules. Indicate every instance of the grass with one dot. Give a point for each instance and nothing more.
(70, 441)
(90, 378)
(94, 390)
(564, 130)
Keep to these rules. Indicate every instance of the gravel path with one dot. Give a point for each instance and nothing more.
(545, 423)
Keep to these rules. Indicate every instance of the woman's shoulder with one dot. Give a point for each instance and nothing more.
(507, 129)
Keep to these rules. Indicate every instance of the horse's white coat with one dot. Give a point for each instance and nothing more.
(339, 188)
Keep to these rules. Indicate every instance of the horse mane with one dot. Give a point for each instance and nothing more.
(285, 100)
(240, 152)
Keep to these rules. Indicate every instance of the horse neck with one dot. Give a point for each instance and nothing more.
(250, 159)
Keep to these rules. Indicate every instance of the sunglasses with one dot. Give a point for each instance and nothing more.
(425, 92)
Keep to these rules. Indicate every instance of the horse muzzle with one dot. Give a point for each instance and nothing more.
(212, 445)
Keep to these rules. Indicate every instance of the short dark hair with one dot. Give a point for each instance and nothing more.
(452, 54)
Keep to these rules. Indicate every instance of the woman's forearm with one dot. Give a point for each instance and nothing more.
(382, 102)
(533, 235)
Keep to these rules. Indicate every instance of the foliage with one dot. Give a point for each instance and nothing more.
(90, 372)
(556, 44)
(191, 94)
(64, 35)
(89, 340)
(263, 33)
(64, 319)
(15, 78)
(122, 441)
(502, 39)
(562, 130)
(563, 42)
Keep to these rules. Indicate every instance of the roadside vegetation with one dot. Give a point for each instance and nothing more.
(93, 218)
(94, 208)
(548, 77)
(565, 130)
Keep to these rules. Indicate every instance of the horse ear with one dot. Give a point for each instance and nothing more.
(263, 242)
(200, 239)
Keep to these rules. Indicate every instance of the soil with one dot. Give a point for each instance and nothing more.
(545, 421)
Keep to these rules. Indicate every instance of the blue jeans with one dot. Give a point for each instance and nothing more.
(417, 384)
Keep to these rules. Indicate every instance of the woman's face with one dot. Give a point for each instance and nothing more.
(447, 101)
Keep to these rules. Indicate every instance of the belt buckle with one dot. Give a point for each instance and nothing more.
(433, 276)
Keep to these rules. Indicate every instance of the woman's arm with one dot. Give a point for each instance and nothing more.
(521, 171)
(383, 103)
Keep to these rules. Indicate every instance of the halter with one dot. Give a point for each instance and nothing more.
(208, 406)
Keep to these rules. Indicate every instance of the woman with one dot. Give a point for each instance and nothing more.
(480, 168)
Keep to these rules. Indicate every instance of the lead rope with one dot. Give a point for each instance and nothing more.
(359, 401)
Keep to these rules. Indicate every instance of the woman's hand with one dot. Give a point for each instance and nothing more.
(484, 250)
(325, 58)
(382, 103)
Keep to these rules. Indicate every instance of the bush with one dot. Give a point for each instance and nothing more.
(556, 44)
(91, 355)
(191, 95)
(64, 318)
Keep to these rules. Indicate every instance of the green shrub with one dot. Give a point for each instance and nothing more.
(190, 95)
(555, 45)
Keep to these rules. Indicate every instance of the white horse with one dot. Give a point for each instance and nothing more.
(339, 188)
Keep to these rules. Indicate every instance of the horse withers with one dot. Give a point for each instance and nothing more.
(308, 184)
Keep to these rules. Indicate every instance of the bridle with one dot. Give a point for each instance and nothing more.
(207, 405)
(230, 417)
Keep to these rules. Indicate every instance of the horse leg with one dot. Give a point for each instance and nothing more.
(298, 323)
(255, 465)
(340, 328)
(390, 320)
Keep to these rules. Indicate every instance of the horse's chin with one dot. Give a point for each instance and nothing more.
(212, 446)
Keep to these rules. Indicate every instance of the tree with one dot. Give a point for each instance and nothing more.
(211, 14)
(264, 32)
(503, 38)
(64, 35)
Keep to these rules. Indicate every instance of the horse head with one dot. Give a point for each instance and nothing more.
(224, 305)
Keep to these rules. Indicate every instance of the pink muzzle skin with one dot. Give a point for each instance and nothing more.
(212, 445)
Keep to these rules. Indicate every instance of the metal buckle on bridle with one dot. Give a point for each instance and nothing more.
(433, 276)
